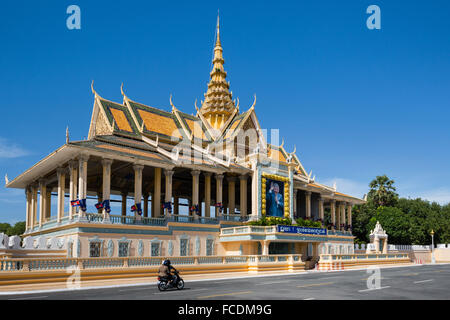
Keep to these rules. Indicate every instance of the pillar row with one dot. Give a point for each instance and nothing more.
(168, 195)
(61, 174)
(106, 185)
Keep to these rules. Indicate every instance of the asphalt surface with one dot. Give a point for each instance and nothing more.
(430, 282)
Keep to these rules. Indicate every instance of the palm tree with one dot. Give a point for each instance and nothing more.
(382, 191)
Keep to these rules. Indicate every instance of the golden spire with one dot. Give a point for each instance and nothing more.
(218, 105)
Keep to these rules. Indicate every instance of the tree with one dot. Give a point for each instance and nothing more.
(382, 192)
(4, 227)
(361, 215)
(17, 230)
(394, 222)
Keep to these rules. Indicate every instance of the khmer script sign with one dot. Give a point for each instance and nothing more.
(302, 230)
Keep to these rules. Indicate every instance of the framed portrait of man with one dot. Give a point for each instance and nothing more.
(275, 195)
(274, 198)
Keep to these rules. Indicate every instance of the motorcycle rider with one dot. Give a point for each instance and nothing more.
(165, 271)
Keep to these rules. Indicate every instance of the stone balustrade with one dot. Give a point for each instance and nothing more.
(48, 264)
(146, 221)
(396, 248)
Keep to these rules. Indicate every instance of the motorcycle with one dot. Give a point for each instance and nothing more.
(177, 282)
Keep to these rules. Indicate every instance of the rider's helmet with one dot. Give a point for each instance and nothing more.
(166, 262)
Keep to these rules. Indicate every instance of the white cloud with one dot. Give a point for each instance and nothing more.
(439, 195)
(9, 150)
(358, 189)
(350, 187)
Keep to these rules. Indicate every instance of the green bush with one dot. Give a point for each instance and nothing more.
(271, 221)
(308, 223)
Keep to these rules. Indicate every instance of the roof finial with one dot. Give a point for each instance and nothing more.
(171, 103)
(218, 29)
(254, 101)
(6, 179)
(67, 134)
(92, 88)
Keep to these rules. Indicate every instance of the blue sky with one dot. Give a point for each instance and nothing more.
(356, 102)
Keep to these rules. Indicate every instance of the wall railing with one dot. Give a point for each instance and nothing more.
(43, 264)
(361, 257)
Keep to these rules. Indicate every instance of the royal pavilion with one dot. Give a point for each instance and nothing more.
(151, 182)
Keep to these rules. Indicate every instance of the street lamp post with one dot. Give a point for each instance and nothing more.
(433, 260)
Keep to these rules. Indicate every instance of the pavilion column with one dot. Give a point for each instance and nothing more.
(243, 194)
(219, 191)
(207, 194)
(156, 198)
(176, 205)
(295, 203)
(338, 215)
(195, 185)
(124, 195)
(42, 201)
(106, 186)
(61, 174)
(333, 213)
(321, 210)
(349, 214)
(231, 194)
(168, 194)
(34, 191)
(28, 208)
(48, 204)
(82, 183)
(72, 187)
(138, 187)
(343, 216)
(308, 204)
(146, 195)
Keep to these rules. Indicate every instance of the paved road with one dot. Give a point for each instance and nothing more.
(413, 282)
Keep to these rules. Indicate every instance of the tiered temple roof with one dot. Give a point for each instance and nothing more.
(133, 129)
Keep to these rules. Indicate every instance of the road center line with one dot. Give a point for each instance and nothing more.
(315, 284)
(202, 289)
(272, 282)
(380, 288)
(225, 294)
(422, 281)
(134, 289)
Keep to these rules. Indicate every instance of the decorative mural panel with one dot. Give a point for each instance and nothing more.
(78, 248)
(170, 248)
(141, 248)
(110, 248)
